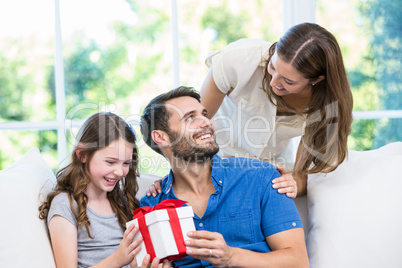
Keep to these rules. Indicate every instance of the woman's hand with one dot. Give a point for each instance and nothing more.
(285, 184)
(155, 188)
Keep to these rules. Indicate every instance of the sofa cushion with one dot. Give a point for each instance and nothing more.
(355, 214)
(24, 238)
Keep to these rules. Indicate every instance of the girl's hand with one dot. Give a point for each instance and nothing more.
(285, 184)
(155, 263)
(128, 247)
(155, 188)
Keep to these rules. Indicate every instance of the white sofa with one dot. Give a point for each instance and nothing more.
(352, 216)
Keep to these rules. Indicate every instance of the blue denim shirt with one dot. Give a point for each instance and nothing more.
(245, 208)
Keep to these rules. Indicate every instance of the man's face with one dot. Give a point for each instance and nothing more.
(191, 133)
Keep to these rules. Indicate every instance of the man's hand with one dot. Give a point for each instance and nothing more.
(210, 247)
(288, 250)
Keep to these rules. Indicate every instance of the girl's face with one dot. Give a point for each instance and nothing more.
(109, 165)
(286, 79)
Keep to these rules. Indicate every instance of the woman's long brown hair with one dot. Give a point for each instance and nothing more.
(98, 132)
(313, 51)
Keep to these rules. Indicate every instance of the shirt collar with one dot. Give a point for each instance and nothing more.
(167, 183)
(217, 175)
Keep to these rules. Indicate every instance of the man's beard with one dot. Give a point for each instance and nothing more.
(185, 149)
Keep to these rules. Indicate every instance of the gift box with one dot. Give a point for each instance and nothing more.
(164, 229)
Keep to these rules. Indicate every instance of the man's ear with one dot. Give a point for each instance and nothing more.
(160, 138)
(78, 152)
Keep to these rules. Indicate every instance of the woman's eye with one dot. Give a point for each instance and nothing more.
(190, 118)
(271, 66)
(289, 83)
(110, 162)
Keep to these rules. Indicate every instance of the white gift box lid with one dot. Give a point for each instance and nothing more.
(162, 215)
(161, 233)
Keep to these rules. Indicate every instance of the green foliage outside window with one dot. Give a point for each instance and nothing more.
(133, 67)
(377, 80)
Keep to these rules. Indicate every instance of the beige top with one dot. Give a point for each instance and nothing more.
(246, 123)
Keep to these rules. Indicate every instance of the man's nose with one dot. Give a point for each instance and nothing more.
(205, 121)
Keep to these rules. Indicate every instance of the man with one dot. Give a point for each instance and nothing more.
(240, 219)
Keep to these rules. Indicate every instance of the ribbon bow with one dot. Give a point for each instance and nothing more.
(165, 204)
(170, 205)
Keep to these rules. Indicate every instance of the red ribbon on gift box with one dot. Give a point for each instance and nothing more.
(170, 205)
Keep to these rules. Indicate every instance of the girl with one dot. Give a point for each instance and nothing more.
(95, 197)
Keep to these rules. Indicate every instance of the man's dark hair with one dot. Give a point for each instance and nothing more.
(156, 116)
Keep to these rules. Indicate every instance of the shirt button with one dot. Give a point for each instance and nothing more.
(220, 181)
(294, 224)
(200, 224)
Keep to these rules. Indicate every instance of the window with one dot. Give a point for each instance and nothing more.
(369, 34)
(26, 60)
(74, 58)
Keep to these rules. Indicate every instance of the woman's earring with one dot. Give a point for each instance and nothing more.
(313, 84)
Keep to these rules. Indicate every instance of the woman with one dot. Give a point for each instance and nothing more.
(262, 95)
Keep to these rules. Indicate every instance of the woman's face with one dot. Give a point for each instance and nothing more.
(286, 79)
